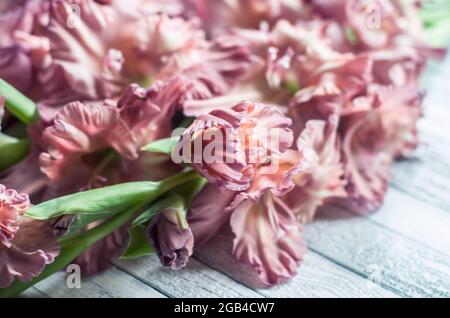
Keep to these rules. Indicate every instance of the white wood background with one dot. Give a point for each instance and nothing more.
(403, 250)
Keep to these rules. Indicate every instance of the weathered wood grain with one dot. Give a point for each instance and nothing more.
(33, 292)
(317, 277)
(415, 219)
(112, 284)
(427, 175)
(195, 280)
(394, 261)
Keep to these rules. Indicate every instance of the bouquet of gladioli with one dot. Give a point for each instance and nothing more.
(132, 127)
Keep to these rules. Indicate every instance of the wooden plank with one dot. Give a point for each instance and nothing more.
(317, 276)
(112, 284)
(195, 280)
(33, 292)
(426, 176)
(398, 263)
(415, 219)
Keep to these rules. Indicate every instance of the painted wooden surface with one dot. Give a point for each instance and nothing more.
(403, 250)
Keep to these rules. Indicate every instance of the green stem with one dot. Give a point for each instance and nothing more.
(18, 104)
(12, 150)
(113, 198)
(72, 248)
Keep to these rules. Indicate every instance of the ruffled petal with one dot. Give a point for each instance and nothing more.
(209, 212)
(367, 166)
(268, 237)
(26, 245)
(79, 130)
(226, 145)
(212, 145)
(148, 112)
(173, 243)
(209, 70)
(16, 68)
(323, 180)
(12, 206)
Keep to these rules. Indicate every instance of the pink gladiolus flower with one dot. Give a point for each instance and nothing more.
(81, 129)
(95, 58)
(26, 245)
(372, 139)
(323, 180)
(208, 212)
(21, 48)
(268, 237)
(239, 139)
(252, 13)
(209, 70)
(81, 132)
(257, 211)
(173, 241)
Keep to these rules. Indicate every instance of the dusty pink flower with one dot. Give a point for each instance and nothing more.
(81, 129)
(21, 48)
(268, 237)
(90, 145)
(26, 245)
(323, 179)
(399, 109)
(396, 66)
(267, 234)
(375, 23)
(238, 139)
(148, 112)
(172, 240)
(82, 133)
(373, 138)
(331, 89)
(252, 13)
(95, 58)
(288, 58)
(208, 212)
(367, 166)
(209, 70)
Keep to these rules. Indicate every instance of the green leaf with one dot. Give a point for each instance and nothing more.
(165, 145)
(189, 190)
(139, 244)
(12, 150)
(18, 104)
(71, 248)
(80, 221)
(108, 200)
